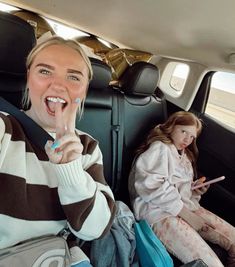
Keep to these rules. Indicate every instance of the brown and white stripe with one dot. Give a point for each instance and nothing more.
(38, 197)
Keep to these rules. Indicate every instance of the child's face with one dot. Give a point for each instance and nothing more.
(57, 73)
(183, 135)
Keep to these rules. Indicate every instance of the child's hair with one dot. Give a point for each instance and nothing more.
(162, 132)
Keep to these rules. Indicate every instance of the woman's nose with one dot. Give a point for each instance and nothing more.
(58, 84)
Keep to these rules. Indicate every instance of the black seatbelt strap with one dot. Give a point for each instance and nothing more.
(121, 139)
(117, 137)
(115, 130)
(32, 130)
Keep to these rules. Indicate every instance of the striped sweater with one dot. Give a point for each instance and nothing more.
(38, 197)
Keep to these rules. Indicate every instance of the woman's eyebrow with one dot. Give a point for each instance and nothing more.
(75, 72)
(52, 68)
(45, 66)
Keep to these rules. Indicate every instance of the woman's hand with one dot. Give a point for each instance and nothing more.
(67, 146)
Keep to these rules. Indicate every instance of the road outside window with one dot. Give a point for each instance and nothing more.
(221, 102)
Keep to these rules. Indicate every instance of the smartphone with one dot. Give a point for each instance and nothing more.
(208, 182)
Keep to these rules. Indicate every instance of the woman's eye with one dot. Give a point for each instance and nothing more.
(73, 77)
(44, 71)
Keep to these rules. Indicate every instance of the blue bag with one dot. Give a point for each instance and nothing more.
(150, 249)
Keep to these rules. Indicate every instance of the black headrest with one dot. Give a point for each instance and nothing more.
(17, 38)
(102, 74)
(141, 79)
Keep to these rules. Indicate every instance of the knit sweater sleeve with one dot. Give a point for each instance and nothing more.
(153, 179)
(4, 138)
(86, 198)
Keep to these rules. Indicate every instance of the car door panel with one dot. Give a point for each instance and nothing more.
(216, 158)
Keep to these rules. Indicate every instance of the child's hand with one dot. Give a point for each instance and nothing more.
(67, 146)
(199, 181)
(201, 190)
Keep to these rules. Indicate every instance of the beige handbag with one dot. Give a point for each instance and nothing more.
(46, 251)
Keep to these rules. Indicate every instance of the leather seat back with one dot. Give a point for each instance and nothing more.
(17, 38)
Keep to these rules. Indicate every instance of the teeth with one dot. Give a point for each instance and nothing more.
(56, 99)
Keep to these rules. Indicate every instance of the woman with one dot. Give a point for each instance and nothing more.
(45, 191)
(160, 189)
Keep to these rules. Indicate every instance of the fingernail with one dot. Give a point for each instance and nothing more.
(55, 145)
(77, 100)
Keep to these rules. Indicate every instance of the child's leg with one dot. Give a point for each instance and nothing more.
(184, 242)
(223, 235)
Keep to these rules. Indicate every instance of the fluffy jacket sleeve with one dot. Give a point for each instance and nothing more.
(153, 179)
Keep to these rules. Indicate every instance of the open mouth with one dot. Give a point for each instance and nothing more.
(51, 104)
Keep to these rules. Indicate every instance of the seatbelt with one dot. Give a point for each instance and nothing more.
(117, 140)
(32, 130)
(121, 141)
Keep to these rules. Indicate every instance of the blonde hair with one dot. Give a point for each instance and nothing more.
(56, 40)
(162, 132)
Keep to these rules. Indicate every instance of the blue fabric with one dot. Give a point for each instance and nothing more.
(82, 264)
(151, 251)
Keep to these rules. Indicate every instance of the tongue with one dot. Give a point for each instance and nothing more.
(51, 106)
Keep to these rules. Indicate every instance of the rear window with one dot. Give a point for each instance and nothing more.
(179, 77)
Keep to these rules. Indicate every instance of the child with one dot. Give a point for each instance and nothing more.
(160, 190)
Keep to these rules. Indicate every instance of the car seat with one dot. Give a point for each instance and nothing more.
(17, 38)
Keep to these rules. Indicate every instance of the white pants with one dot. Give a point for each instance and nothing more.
(187, 245)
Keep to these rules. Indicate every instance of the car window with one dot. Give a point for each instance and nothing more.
(179, 77)
(221, 100)
(65, 31)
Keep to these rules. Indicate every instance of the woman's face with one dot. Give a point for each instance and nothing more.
(183, 135)
(58, 73)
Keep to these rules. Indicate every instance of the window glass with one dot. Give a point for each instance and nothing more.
(7, 8)
(179, 77)
(221, 102)
(65, 31)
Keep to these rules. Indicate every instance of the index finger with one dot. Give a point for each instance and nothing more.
(71, 124)
(59, 121)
